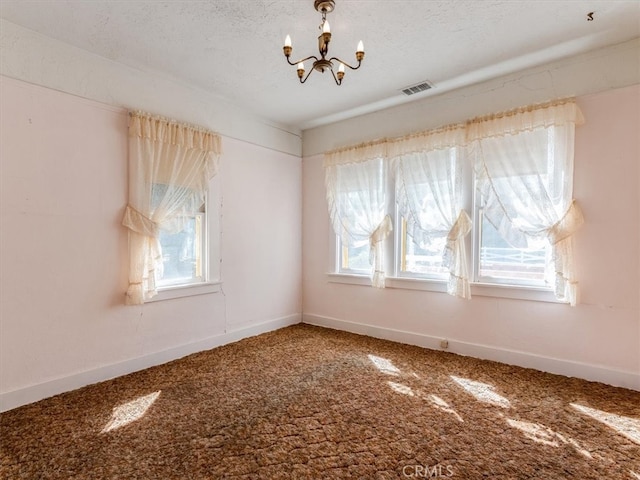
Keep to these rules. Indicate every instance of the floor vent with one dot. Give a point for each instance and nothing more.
(420, 87)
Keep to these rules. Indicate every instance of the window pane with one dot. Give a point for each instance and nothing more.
(356, 257)
(502, 262)
(360, 196)
(182, 254)
(425, 259)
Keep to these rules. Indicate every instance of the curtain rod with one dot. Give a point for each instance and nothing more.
(170, 121)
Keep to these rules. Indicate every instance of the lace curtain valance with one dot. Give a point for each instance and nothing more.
(558, 113)
(442, 138)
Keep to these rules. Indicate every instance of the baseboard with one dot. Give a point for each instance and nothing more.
(33, 393)
(596, 373)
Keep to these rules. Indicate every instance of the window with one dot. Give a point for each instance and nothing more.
(358, 200)
(519, 168)
(523, 183)
(360, 187)
(171, 167)
(429, 199)
(183, 240)
(513, 170)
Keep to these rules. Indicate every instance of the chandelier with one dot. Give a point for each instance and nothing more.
(321, 64)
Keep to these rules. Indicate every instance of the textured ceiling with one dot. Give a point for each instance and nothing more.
(234, 47)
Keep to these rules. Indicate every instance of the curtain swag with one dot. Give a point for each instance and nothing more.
(428, 191)
(376, 239)
(139, 223)
(170, 165)
(567, 225)
(454, 257)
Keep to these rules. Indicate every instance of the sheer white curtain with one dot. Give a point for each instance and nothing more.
(523, 162)
(170, 165)
(429, 196)
(356, 196)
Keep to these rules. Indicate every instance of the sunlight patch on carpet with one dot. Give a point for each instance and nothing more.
(627, 426)
(634, 474)
(536, 432)
(483, 392)
(384, 365)
(398, 387)
(546, 436)
(440, 404)
(130, 412)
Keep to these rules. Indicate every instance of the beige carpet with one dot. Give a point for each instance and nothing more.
(305, 402)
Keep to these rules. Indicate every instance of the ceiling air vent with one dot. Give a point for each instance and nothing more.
(419, 87)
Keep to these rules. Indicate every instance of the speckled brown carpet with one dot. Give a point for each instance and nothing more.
(310, 403)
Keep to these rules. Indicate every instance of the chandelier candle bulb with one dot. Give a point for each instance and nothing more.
(300, 69)
(287, 46)
(325, 38)
(360, 51)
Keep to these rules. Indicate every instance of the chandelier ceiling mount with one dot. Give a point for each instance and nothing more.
(322, 64)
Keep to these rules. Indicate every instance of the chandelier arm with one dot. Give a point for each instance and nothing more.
(303, 60)
(338, 82)
(307, 75)
(346, 64)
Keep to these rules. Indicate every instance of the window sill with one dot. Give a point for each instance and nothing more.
(179, 291)
(516, 292)
(349, 279)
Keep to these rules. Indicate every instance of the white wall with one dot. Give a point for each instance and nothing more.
(261, 233)
(596, 71)
(34, 58)
(63, 252)
(600, 338)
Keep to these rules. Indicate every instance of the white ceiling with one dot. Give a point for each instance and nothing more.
(234, 47)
